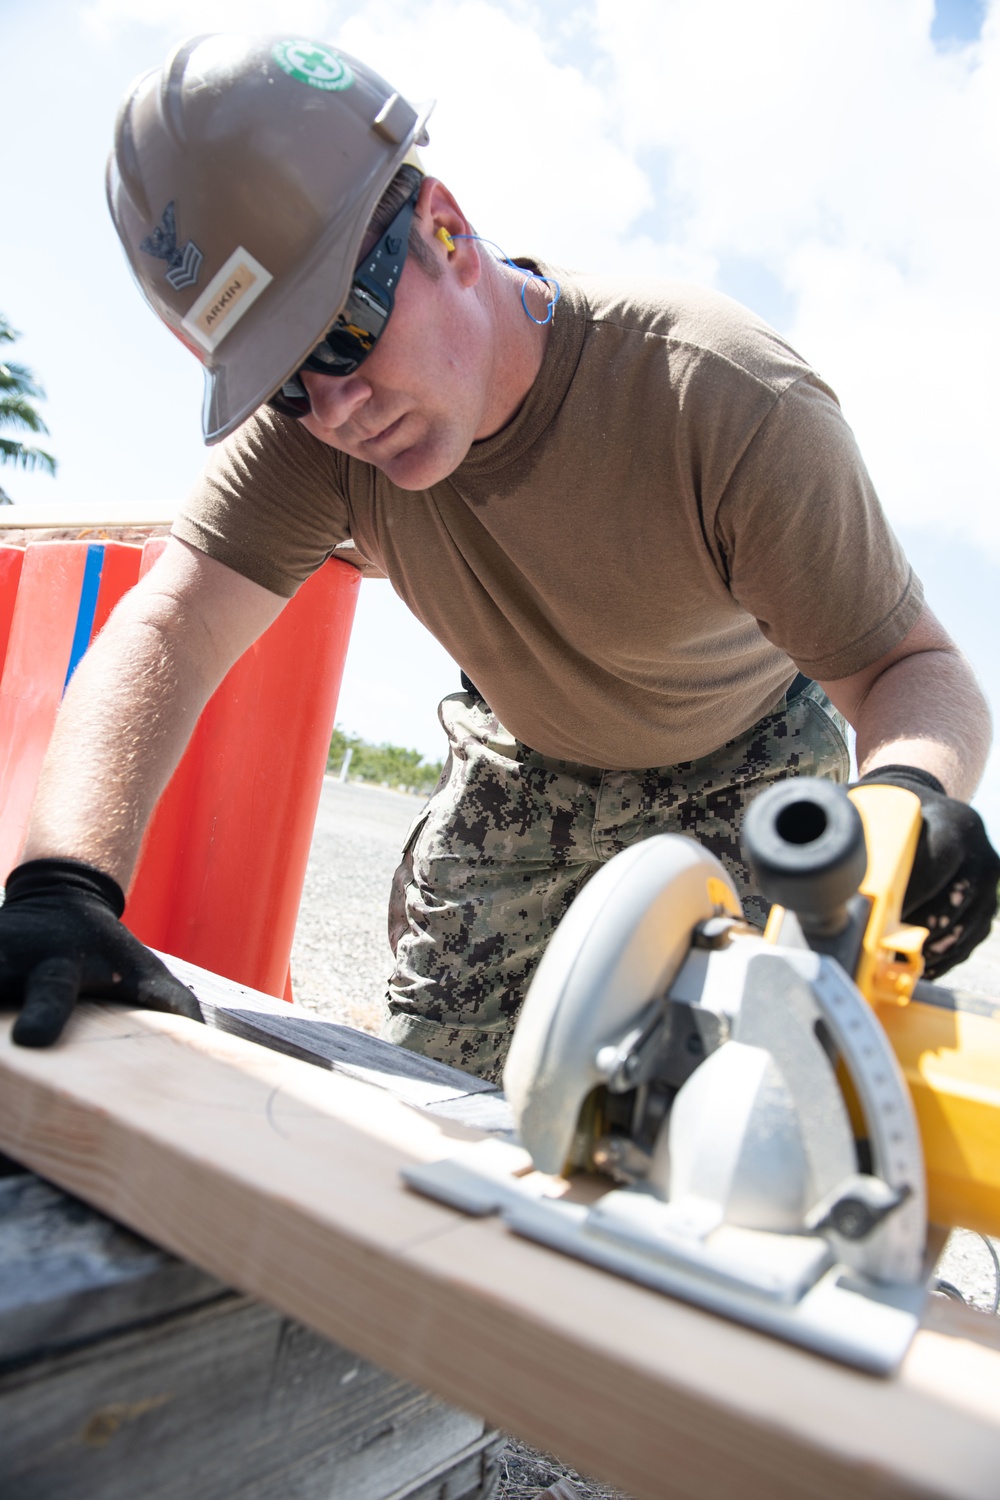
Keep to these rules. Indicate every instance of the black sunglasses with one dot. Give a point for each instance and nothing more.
(362, 319)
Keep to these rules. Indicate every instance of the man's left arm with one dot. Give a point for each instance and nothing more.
(922, 723)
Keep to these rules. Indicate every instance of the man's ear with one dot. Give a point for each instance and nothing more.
(447, 229)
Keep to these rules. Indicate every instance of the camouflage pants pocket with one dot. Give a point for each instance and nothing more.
(487, 872)
(510, 837)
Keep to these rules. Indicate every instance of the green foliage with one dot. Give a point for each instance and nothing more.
(18, 392)
(387, 765)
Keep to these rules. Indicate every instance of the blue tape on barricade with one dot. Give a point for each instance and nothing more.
(93, 568)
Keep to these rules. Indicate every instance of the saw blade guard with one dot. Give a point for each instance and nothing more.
(590, 986)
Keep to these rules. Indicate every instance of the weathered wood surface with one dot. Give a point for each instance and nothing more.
(282, 1178)
(230, 1400)
(112, 522)
(68, 1275)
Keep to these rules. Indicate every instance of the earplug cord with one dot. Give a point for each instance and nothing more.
(528, 276)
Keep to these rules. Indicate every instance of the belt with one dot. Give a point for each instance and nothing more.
(795, 688)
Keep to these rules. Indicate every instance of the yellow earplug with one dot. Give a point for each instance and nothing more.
(445, 238)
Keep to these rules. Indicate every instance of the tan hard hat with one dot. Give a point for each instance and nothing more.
(243, 176)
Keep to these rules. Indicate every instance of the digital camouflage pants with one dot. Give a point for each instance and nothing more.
(509, 837)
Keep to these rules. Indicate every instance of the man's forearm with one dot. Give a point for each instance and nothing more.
(919, 705)
(928, 711)
(122, 728)
(133, 704)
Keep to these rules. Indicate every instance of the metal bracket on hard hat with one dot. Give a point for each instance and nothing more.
(394, 121)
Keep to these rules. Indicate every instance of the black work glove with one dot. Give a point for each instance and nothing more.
(61, 940)
(953, 884)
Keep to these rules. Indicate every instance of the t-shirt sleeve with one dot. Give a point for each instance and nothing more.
(805, 544)
(271, 504)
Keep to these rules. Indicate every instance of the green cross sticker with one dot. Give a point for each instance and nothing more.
(312, 63)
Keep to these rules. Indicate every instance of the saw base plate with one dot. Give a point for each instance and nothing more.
(790, 1286)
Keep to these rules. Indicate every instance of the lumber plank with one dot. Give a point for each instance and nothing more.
(125, 520)
(281, 1179)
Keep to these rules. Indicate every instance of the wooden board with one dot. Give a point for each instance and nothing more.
(282, 1179)
(120, 521)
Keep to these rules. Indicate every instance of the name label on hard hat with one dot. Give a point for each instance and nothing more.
(226, 298)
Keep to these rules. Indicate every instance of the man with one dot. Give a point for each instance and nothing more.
(631, 512)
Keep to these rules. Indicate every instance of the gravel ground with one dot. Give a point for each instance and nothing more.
(341, 955)
(340, 961)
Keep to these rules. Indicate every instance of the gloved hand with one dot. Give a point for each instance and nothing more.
(60, 940)
(952, 889)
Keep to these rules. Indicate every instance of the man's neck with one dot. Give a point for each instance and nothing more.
(520, 343)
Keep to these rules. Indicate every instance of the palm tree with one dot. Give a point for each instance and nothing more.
(18, 391)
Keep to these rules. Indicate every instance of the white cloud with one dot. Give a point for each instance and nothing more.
(190, 17)
(382, 696)
(524, 141)
(828, 144)
(832, 144)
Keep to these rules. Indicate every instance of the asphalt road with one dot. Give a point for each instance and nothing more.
(341, 954)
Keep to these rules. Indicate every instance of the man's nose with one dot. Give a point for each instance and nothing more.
(335, 398)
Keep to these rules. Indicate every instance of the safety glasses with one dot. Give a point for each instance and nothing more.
(361, 321)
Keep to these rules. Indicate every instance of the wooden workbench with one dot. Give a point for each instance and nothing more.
(283, 1179)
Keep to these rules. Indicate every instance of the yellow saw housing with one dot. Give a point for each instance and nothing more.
(947, 1043)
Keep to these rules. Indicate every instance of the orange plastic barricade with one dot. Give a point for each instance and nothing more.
(224, 860)
(61, 587)
(11, 559)
(120, 572)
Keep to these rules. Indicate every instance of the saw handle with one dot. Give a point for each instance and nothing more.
(840, 863)
(805, 842)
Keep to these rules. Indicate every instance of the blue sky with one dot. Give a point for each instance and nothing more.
(833, 164)
(956, 23)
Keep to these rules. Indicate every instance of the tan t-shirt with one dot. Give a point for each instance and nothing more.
(629, 569)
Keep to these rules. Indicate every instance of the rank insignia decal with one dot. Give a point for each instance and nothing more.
(183, 264)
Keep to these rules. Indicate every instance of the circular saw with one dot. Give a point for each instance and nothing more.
(733, 1095)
